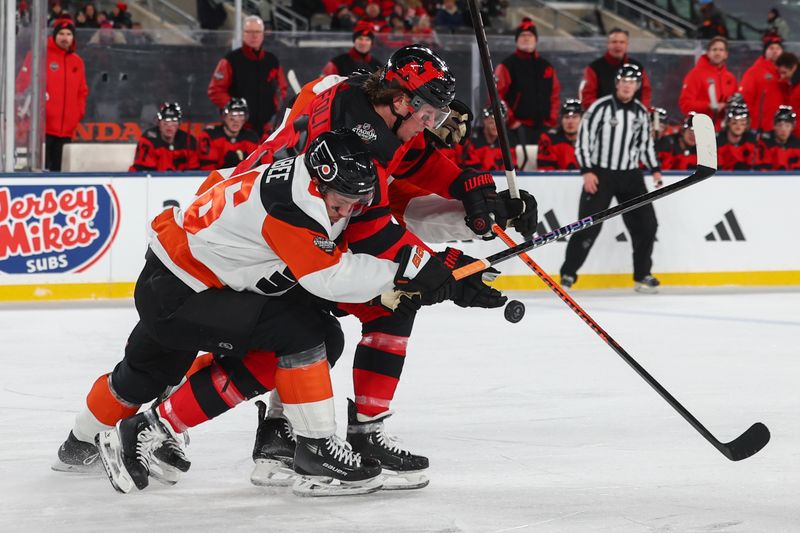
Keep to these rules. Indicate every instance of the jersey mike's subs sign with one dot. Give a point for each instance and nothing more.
(55, 228)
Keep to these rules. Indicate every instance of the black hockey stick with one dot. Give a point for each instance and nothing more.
(757, 436)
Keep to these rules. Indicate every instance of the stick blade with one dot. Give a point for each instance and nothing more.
(706, 141)
(748, 443)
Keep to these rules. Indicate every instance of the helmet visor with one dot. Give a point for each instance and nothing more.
(362, 199)
(432, 117)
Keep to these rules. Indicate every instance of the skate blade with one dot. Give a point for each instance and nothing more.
(413, 479)
(319, 486)
(110, 448)
(164, 473)
(645, 289)
(94, 468)
(272, 473)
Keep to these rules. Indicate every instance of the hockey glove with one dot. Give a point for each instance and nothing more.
(456, 127)
(470, 291)
(421, 272)
(478, 194)
(522, 212)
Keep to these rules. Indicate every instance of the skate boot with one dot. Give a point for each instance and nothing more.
(401, 468)
(648, 285)
(329, 467)
(136, 448)
(78, 456)
(273, 453)
(567, 281)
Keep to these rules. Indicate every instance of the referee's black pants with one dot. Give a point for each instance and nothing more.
(641, 223)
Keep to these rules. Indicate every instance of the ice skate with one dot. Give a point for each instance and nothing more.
(78, 456)
(273, 453)
(647, 285)
(329, 467)
(402, 470)
(138, 447)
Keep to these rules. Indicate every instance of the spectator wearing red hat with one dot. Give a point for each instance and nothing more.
(709, 77)
(767, 83)
(529, 86)
(66, 90)
(599, 77)
(120, 16)
(359, 57)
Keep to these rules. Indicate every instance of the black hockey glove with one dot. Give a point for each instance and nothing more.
(478, 194)
(419, 271)
(456, 127)
(470, 291)
(522, 212)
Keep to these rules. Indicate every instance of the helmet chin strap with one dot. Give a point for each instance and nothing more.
(399, 118)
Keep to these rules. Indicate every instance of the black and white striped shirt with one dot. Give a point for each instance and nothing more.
(615, 136)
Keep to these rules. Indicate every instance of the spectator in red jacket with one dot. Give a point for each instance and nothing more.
(66, 90)
(529, 86)
(227, 144)
(678, 151)
(164, 147)
(557, 146)
(765, 85)
(736, 143)
(359, 57)
(780, 149)
(252, 73)
(599, 77)
(707, 87)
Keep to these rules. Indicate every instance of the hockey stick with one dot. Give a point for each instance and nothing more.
(757, 436)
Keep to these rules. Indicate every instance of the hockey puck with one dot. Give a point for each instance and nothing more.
(514, 311)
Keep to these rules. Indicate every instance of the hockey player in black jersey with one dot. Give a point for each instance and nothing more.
(228, 144)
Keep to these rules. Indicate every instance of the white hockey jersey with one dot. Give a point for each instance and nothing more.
(264, 231)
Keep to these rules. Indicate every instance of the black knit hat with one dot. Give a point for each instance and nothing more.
(526, 25)
(63, 23)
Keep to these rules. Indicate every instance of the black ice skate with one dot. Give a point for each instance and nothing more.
(328, 467)
(401, 468)
(273, 453)
(138, 447)
(648, 285)
(78, 456)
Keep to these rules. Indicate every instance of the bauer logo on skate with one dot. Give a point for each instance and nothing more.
(55, 228)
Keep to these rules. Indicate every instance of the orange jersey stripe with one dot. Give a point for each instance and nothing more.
(105, 406)
(307, 384)
(175, 242)
(294, 245)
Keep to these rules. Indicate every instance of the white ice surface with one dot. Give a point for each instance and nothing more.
(535, 426)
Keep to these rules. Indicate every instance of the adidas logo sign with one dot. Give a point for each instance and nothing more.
(552, 221)
(721, 230)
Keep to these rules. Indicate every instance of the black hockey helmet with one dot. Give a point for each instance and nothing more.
(571, 106)
(737, 111)
(660, 112)
(236, 105)
(341, 162)
(629, 71)
(688, 120)
(785, 113)
(424, 75)
(170, 111)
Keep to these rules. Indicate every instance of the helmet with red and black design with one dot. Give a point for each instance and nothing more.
(421, 73)
(341, 162)
(170, 111)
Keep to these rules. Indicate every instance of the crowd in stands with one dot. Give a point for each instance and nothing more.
(752, 115)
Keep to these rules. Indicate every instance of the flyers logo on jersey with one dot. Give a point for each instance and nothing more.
(55, 228)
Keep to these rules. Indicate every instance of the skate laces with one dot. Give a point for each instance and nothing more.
(342, 451)
(389, 442)
(286, 430)
(147, 442)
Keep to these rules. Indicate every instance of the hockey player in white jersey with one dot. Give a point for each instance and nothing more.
(241, 272)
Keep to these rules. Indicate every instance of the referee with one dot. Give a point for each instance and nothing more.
(613, 140)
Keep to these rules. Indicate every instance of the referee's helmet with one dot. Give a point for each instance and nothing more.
(629, 71)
